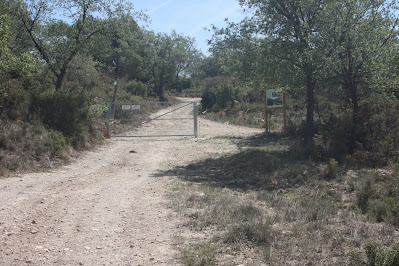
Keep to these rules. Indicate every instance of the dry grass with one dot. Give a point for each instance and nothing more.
(265, 206)
(29, 146)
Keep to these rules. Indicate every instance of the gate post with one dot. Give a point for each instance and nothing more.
(109, 118)
(195, 120)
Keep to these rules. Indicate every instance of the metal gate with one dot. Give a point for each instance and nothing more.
(152, 119)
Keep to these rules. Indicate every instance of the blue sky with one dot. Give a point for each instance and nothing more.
(189, 17)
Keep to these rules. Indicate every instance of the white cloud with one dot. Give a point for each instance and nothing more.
(160, 6)
(215, 19)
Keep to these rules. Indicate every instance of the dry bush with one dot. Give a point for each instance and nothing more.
(22, 145)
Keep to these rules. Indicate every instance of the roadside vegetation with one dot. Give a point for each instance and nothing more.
(58, 73)
(326, 193)
(265, 203)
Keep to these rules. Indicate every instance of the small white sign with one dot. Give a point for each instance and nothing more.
(126, 107)
(130, 107)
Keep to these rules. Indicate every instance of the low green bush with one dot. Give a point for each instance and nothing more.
(329, 171)
(218, 93)
(375, 256)
(137, 88)
(378, 197)
(66, 112)
(30, 143)
(199, 255)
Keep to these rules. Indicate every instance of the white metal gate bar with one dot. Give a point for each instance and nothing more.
(111, 119)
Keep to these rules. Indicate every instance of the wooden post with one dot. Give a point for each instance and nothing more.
(266, 120)
(285, 115)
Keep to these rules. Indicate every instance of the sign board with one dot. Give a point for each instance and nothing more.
(274, 98)
(130, 107)
(126, 107)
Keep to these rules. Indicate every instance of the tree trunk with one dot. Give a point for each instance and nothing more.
(160, 90)
(309, 128)
(177, 83)
(60, 79)
(355, 119)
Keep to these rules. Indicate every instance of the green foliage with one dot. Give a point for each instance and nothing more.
(259, 233)
(14, 101)
(376, 256)
(97, 110)
(200, 255)
(378, 197)
(330, 170)
(363, 195)
(137, 88)
(65, 112)
(55, 141)
(30, 143)
(12, 64)
(218, 93)
(379, 136)
(5, 53)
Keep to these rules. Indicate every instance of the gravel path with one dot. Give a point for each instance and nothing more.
(109, 207)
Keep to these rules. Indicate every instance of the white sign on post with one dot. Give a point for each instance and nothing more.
(126, 107)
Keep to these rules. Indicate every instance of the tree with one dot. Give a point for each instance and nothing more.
(118, 48)
(14, 60)
(160, 65)
(184, 56)
(292, 33)
(362, 36)
(59, 41)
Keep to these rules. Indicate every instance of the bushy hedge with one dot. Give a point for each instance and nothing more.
(62, 111)
(218, 93)
(379, 131)
(137, 88)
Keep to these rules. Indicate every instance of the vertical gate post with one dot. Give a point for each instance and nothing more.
(109, 118)
(195, 120)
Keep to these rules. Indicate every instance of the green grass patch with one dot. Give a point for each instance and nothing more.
(378, 195)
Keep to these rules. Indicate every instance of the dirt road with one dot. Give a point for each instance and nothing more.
(109, 207)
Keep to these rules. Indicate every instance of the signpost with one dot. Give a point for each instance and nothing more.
(275, 99)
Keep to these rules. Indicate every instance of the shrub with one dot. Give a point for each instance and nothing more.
(363, 196)
(30, 143)
(330, 170)
(218, 93)
(378, 196)
(376, 256)
(137, 88)
(255, 232)
(14, 101)
(65, 112)
(379, 132)
(55, 141)
(199, 255)
(332, 140)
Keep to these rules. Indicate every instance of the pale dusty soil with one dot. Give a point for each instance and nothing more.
(108, 207)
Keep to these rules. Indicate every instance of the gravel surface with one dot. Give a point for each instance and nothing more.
(109, 206)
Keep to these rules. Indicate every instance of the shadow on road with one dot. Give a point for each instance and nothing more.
(261, 164)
